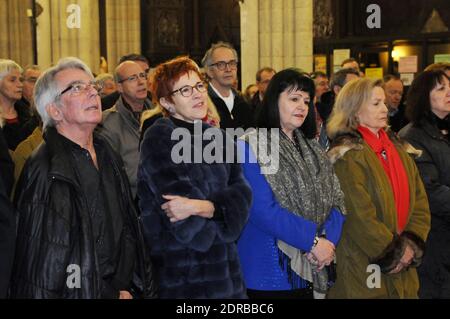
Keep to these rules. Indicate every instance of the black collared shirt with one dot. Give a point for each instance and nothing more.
(102, 193)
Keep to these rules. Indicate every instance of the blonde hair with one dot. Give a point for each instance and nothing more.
(150, 113)
(348, 103)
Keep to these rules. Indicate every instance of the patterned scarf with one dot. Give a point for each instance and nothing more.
(306, 185)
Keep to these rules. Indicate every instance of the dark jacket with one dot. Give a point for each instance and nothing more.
(434, 167)
(55, 228)
(241, 115)
(7, 222)
(17, 132)
(398, 120)
(196, 257)
(326, 104)
(6, 165)
(110, 100)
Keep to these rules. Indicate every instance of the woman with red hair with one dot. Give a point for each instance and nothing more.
(193, 210)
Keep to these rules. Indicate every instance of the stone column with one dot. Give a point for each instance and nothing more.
(123, 29)
(249, 41)
(16, 31)
(43, 33)
(60, 36)
(304, 34)
(278, 34)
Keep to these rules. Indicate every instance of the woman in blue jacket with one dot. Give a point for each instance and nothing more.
(287, 247)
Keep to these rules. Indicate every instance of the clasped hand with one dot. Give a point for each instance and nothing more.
(322, 254)
(405, 261)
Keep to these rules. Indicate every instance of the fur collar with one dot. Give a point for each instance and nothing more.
(352, 140)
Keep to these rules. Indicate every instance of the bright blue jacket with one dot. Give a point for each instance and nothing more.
(268, 222)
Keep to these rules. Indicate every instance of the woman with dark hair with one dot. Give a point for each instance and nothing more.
(287, 247)
(428, 110)
(387, 209)
(193, 209)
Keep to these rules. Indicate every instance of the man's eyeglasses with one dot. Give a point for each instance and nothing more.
(222, 65)
(135, 77)
(188, 90)
(81, 87)
(31, 80)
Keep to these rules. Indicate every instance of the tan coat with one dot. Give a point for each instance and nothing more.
(372, 220)
(24, 150)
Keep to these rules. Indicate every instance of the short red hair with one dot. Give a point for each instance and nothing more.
(166, 74)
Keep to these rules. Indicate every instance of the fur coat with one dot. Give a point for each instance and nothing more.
(196, 257)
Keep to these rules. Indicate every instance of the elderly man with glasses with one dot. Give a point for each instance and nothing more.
(220, 63)
(121, 123)
(78, 234)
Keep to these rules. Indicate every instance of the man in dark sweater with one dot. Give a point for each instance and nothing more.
(220, 63)
(393, 88)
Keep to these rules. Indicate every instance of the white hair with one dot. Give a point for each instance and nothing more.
(7, 66)
(46, 90)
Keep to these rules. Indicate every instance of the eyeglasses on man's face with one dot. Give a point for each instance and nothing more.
(188, 90)
(81, 87)
(135, 77)
(222, 65)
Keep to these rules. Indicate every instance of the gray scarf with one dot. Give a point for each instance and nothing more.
(305, 184)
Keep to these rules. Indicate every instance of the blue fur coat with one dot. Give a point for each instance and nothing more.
(195, 257)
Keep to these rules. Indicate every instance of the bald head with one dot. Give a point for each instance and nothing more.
(131, 82)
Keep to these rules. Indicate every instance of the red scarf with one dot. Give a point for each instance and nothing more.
(393, 166)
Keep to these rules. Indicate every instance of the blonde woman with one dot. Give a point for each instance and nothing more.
(388, 217)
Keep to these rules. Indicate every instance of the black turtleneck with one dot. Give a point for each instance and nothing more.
(443, 124)
(184, 124)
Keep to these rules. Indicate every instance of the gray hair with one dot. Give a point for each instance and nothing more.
(340, 76)
(207, 59)
(46, 90)
(7, 66)
(31, 67)
(102, 78)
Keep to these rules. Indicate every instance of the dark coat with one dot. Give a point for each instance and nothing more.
(7, 222)
(398, 120)
(196, 257)
(434, 167)
(17, 132)
(110, 100)
(6, 165)
(326, 104)
(241, 116)
(55, 229)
